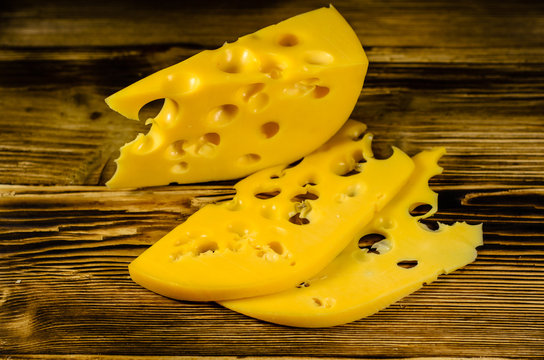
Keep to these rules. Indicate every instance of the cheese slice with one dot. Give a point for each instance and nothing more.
(362, 281)
(284, 225)
(269, 98)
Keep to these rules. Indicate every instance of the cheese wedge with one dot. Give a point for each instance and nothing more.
(269, 98)
(283, 226)
(366, 278)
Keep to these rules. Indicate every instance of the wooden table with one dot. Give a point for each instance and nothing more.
(468, 75)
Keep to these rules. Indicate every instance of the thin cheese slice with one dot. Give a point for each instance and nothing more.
(269, 98)
(366, 278)
(283, 226)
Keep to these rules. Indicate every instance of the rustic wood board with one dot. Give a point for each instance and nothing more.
(468, 75)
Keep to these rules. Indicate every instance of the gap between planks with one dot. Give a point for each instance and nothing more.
(125, 357)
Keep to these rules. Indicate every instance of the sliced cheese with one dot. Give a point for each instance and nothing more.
(269, 98)
(283, 226)
(364, 279)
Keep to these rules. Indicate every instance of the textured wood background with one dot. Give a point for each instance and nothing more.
(468, 75)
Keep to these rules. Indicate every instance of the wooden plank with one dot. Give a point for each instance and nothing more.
(511, 24)
(64, 253)
(466, 77)
(151, 357)
(488, 118)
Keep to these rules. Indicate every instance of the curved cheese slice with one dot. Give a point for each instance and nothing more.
(364, 279)
(283, 226)
(269, 98)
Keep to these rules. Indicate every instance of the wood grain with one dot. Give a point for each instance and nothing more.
(478, 91)
(442, 24)
(151, 357)
(467, 75)
(63, 272)
(492, 129)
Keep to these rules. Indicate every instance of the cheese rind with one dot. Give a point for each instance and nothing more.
(362, 281)
(269, 98)
(284, 225)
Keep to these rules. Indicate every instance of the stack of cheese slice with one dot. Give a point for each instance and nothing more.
(287, 248)
(365, 277)
(291, 247)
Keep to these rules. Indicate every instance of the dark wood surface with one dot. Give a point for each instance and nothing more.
(468, 75)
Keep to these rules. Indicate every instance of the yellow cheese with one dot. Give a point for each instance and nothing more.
(283, 226)
(361, 281)
(269, 98)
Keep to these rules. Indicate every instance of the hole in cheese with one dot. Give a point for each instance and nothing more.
(223, 114)
(419, 209)
(270, 129)
(175, 150)
(251, 90)
(430, 225)
(249, 159)
(351, 173)
(293, 164)
(407, 264)
(288, 40)
(326, 302)
(309, 181)
(212, 138)
(297, 220)
(353, 190)
(264, 195)
(320, 91)
(276, 247)
(307, 196)
(369, 240)
(318, 57)
(272, 66)
(206, 150)
(236, 60)
(205, 146)
(273, 71)
(210, 246)
(180, 168)
(150, 110)
(258, 102)
(375, 245)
